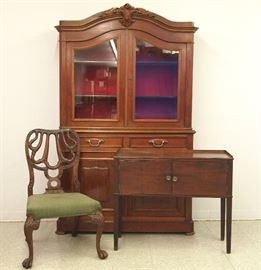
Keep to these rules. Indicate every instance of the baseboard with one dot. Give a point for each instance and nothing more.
(197, 215)
(236, 214)
(13, 216)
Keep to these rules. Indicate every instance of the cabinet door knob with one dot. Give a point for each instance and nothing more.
(174, 178)
(158, 142)
(95, 142)
(168, 178)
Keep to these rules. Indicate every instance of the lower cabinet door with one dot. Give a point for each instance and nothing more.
(200, 178)
(145, 177)
(96, 180)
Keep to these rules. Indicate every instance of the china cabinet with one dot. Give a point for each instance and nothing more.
(126, 82)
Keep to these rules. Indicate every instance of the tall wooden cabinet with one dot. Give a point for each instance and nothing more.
(126, 82)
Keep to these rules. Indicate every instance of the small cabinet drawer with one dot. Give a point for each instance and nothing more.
(96, 142)
(161, 142)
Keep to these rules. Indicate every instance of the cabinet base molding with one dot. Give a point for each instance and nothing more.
(65, 225)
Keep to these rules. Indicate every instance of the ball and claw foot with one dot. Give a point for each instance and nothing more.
(102, 254)
(27, 263)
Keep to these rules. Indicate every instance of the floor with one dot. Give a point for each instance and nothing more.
(203, 250)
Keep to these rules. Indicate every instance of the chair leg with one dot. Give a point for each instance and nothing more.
(29, 226)
(98, 218)
(76, 225)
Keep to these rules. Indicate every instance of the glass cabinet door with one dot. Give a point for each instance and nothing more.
(95, 81)
(156, 94)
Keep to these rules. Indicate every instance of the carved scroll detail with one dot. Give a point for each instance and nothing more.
(127, 12)
(66, 142)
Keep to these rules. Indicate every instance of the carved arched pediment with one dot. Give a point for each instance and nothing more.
(127, 15)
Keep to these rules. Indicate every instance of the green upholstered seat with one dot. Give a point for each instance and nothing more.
(60, 205)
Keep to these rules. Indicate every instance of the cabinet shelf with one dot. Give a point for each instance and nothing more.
(157, 63)
(156, 97)
(96, 96)
(97, 63)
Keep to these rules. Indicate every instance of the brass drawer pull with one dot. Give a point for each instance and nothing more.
(95, 142)
(158, 142)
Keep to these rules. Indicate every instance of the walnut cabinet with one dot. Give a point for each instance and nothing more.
(126, 82)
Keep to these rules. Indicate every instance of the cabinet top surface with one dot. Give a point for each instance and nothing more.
(130, 153)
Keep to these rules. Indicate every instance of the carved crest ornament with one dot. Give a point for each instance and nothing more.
(127, 12)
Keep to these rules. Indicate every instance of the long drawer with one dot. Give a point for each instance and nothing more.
(177, 141)
(100, 142)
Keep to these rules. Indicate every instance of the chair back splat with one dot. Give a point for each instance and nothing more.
(38, 144)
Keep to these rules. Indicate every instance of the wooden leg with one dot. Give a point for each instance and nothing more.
(116, 221)
(229, 223)
(98, 218)
(76, 225)
(222, 223)
(29, 226)
(119, 217)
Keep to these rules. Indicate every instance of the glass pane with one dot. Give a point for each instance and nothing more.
(95, 81)
(156, 82)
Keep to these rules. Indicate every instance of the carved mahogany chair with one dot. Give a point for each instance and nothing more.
(55, 202)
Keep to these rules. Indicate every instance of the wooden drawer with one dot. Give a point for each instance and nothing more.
(101, 142)
(179, 141)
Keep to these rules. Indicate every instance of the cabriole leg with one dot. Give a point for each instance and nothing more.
(29, 226)
(98, 218)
